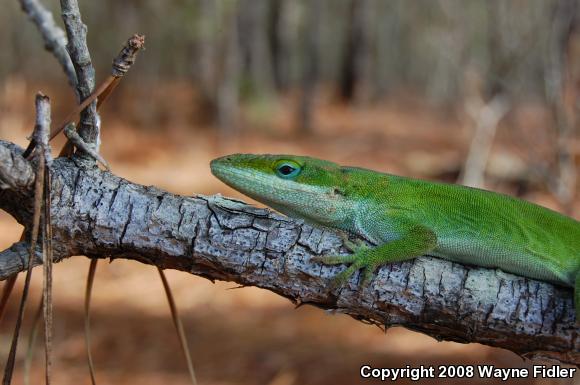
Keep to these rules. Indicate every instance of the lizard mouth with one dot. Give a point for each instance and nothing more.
(264, 188)
(228, 174)
(316, 203)
(246, 181)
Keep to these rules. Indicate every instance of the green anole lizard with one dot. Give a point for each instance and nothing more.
(406, 218)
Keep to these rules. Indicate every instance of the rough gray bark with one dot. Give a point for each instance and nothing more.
(98, 214)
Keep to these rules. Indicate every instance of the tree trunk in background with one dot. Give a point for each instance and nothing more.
(366, 59)
(388, 46)
(497, 59)
(357, 54)
(255, 46)
(311, 67)
(280, 40)
(9, 38)
(557, 86)
(447, 43)
(485, 108)
(205, 47)
(229, 73)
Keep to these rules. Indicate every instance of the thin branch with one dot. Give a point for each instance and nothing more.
(47, 255)
(41, 131)
(101, 215)
(17, 252)
(53, 36)
(76, 31)
(121, 64)
(74, 138)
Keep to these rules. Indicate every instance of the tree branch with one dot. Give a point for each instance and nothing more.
(15, 171)
(98, 214)
(53, 36)
(79, 53)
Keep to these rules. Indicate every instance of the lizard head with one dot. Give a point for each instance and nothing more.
(298, 186)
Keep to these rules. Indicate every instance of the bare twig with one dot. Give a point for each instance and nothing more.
(74, 138)
(121, 64)
(41, 130)
(54, 41)
(53, 36)
(126, 57)
(18, 251)
(47, 258)
(76, 31)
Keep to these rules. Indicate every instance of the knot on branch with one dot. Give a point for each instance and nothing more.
(126, 57)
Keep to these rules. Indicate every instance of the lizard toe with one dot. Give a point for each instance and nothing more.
(368, 274)
(334, 259)
(344, 276)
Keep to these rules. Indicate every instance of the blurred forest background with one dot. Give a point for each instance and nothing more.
(485, 93)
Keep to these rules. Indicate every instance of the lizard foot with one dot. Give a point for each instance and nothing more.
(417, 241)
(359, 260)
(352, 245)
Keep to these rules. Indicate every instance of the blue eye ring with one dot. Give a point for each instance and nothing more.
(287, 169)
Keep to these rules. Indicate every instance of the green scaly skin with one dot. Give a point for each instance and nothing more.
(406, 218)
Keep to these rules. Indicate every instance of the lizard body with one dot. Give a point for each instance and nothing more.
(406, 217)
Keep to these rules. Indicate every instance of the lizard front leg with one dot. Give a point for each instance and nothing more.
(415, 241)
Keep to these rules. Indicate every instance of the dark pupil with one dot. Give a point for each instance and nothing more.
(286, 170)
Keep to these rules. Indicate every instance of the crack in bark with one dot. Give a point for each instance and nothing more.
(126, 225)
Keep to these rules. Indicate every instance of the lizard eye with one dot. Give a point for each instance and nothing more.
(287, 169)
